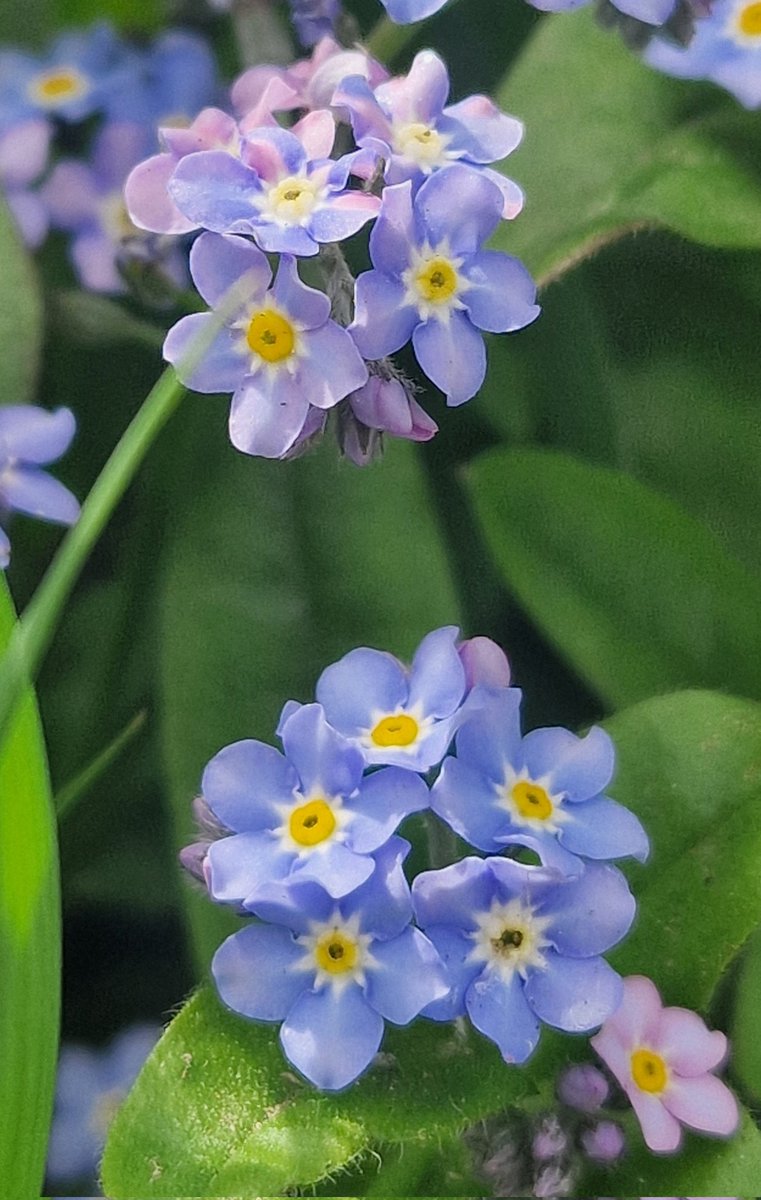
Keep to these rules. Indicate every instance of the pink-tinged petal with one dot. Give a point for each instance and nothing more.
(211, 130)
(250, 88)
(317, 133)
(636, 1021)
(453, 356)
(225, 267)
(704, 1103)
(513, 198)
(148, 201)
(273, 153)
(344, 216)
(492, 134)
(615, 1055)
(24, 152)
(333, 367)
(661, 1131)
(277, 97)
(267, 414)
(216, 191)
(331, 73)
(421, 94)
(423, 426)
(687, 1045)
(484, 662)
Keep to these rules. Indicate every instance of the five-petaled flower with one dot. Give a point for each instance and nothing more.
(726, 49)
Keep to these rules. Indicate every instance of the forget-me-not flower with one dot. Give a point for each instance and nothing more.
(726, 49)
(522, 946)
(333, 971)
(24, 150)
(549, 784)
(278, 351)
(31, 438)
(308, 83)
(432, 281)
(307, 814)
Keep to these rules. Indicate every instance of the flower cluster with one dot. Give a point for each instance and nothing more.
(306, 840)
(131, 91)
(726, 49)
(420, 170)
(31, 438)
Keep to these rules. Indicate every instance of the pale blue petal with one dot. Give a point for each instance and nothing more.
(490, 739)
(459, 205)
(383, 319)
(330, 1037)
(393, 234)
(453, 356)
(216, 191)
(359, 686)
(335, 868)
(469, 803)
(574, 994)
(332, 367)
(385, 799)
(578, 767)
(383, 903)
(254, 972)
(601, 828)
(267, 414)
(453, 948)
(409, 975)
(29, 490)
(437, 676)
(502, 295)
(497, 1007)
(307, 306)
(591, 912)
(244, 862)
(455, 895)
(245, 781)
(220, 262)
(223, 365)
(33, 434)
(325, 761)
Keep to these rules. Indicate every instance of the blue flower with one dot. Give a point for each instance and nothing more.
(433, 283)
(332, 971)
(29, 439)
(395, 714)
(177, 78)
(726, 49)
(548, 785)
(278, 351)
(90, 1086)
(409, 124)
(405, 12)
(284, 189)
(304, 815)
(76, 78)
(24, 150)
(522, 946)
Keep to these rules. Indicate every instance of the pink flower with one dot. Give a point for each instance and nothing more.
(664, 1058)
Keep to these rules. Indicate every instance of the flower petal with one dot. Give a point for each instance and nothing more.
(590, 912)
(409, 975)
(468, 802)
(459, 205)
(385, 798)
(325, 761)
(216, 191)
(498, 1008)
(223, 365)
(361, 685)
(331, 1036)
(454, 948)
(704, 1103)
(243, 862)
(336, 868)
(574, 994)
(453, 356)
(578, 767)
(437, 676)
(490, 739)
(487, 134)
(254, 972)
(220, 263)
(689, 1047)
(383, 319)
(661, 1131)
(30, 490)
(307, 306)
(245, 782)
(343, 216)
(267, 414)
(502, 295)
(454, 896)
(601, 828)
(333, 366)
(383, 903)
(34, 434)
(147, 197)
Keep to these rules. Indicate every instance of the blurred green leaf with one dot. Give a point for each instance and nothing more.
(30, 945)
(746, 1023)
(130, 15)
(92, 319)
(77, 788)
(20, 317)
(628, 148)
(274, 570)
(637, 596)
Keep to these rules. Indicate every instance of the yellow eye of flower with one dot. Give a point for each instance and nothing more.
(437, 281)
(532, 801)
(312, 823)
(399, 730)
(749, 20)
(271, 336)
(336, 952)
(58, 84)
(649, 1071)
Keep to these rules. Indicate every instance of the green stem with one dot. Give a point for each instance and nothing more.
(73, 791)
(387, 39)
(32, 633)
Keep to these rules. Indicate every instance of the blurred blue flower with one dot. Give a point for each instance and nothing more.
(90, 1086)
(332, 971)
(24, 150)
(726, 49)
(177, 78)
(304, 815)
(284, 189)
(278, 351)
(76, 78)
(31, 438)
(522, 945)
(433, 283)
(314, 19)
(408, 123)
(548, 784)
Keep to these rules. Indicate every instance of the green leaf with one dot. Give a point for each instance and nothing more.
(30, 946)
(196, 1124)
(131, 15)
(20, 317)
(638, 597)
(641, 153)
(274, 571)
(746, 1023)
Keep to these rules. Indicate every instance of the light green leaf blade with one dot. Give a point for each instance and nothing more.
(30, 953)
(20, 317)
(746, 1023)
(641, 150)
(639, 597)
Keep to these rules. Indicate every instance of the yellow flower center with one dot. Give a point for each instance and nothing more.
(292, 199)
(532, 801)
(749, 20)
(271, 335)
(436, 281)
(649, 1071)
(312, 823)
(425, 146)
(336, 953)
(52, 86)
(399, 730)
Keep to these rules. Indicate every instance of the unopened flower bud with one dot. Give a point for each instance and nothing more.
(584, 1088)
(604, 1142)
(484, 662)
